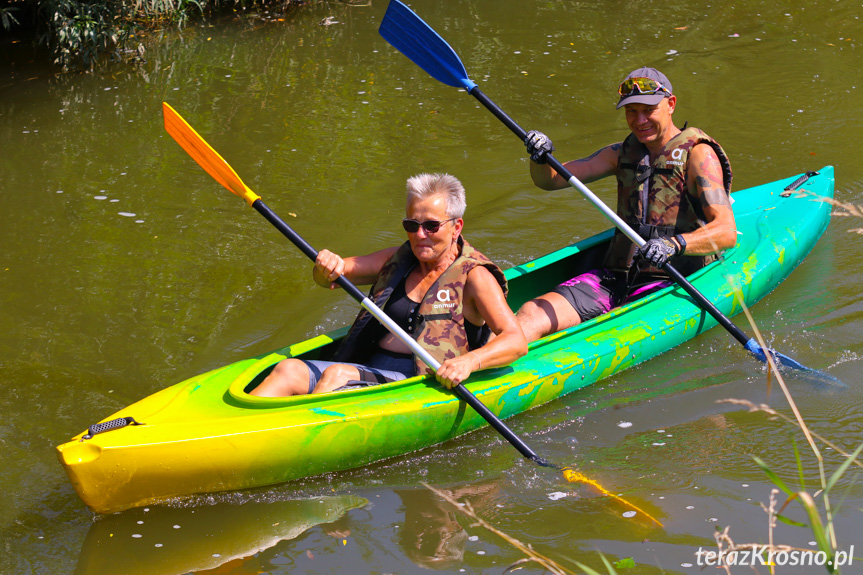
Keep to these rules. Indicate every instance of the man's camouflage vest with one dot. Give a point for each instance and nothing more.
(662, 188)
(440, 324)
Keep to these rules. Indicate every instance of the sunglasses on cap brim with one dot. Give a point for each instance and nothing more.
(646, 86)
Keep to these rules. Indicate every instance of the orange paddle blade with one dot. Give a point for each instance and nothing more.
(205, 155)
(574, 476)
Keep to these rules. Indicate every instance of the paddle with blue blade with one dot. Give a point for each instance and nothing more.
(411, 36)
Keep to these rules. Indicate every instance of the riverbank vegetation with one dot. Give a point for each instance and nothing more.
(79, 33)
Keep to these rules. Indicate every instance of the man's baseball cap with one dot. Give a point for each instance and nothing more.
(644, 86)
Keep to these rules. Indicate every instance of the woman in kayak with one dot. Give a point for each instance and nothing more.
(436, 286)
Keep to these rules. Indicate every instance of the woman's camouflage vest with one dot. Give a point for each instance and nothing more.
(661, 187)
(440, 323)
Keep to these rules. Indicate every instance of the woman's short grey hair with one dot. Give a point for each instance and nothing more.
(423, 185)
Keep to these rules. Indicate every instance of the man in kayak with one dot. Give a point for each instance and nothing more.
(673, 189)
(436, 286)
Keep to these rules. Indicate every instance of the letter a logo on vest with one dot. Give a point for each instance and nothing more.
(444, 295)
(677, 154)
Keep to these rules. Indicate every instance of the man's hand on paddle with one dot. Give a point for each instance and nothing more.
(658, 251)
(538, 145)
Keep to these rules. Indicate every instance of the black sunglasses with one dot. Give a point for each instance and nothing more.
(430, 226)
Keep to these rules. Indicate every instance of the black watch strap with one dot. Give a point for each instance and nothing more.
(682, 243)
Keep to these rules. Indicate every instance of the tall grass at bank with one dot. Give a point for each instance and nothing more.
(81, 32)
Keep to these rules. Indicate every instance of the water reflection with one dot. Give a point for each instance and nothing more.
(205, 539)
(432, 536)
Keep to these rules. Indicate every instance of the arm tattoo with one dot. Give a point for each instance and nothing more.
(714, 197)
(709, 183)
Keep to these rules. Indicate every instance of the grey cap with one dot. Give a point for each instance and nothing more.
(649, 99)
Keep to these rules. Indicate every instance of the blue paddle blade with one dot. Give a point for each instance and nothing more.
(813, 375)
(411, 36)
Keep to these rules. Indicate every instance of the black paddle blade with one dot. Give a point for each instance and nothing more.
(411, 36)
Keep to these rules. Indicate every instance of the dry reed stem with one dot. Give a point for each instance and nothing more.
(726, 545)
(771, 520)
(840, 209)
(533, 556)
(466, 508)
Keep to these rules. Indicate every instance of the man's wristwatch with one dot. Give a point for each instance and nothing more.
(679, 239)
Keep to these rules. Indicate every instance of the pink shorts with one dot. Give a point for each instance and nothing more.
(599, 291)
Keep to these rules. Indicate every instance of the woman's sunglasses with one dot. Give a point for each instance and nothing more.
(634, 86)
(430, 226)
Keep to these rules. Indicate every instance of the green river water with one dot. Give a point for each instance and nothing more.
(125, 268)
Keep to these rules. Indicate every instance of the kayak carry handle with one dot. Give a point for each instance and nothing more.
(109, 426)
(797, 183)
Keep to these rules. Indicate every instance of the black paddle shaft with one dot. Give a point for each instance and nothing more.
(565, 174)
(304, 246)
(500, 426)
(348, 286)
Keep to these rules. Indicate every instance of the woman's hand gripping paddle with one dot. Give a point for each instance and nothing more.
(219, 169)
(411, 36)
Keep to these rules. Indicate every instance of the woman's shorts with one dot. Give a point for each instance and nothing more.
(383, 367)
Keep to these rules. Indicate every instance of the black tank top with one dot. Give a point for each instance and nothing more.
(404, 311)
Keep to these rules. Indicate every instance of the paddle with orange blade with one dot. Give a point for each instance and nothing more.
(219, 169)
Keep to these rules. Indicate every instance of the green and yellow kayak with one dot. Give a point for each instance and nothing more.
(207, 434)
